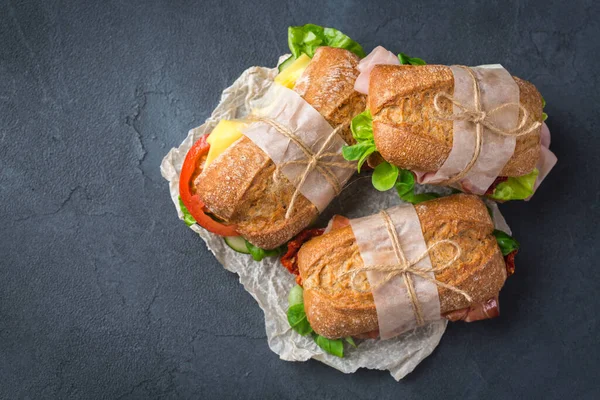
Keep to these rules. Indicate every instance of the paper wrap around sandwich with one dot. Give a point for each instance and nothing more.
(293, 134)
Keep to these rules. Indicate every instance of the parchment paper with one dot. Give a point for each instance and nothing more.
(269, 283)
(395, 313)
(497, 87)
(291, 111)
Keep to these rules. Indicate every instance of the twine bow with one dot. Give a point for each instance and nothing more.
(480, 118)
(408, 269)
(312, 160)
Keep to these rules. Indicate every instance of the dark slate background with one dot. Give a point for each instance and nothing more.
(104, 293)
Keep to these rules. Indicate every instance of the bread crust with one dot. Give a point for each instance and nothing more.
(251, 198)
(327, 84)
(334, 309)
(407, 132)
(238, 186)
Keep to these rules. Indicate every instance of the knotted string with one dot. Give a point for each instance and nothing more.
(480, 118)
(312, 160)
(407, 269)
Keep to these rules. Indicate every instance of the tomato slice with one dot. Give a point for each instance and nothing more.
(509, 259)
(289, 260)
(191, 165)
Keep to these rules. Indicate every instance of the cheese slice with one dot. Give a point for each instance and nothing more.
(290, 75)
(224, 135)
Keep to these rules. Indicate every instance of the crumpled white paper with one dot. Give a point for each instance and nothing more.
(395, 311)
(269, 282)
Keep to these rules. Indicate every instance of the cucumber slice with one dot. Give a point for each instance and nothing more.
(288, 61)
(296, 296)
(237, 243)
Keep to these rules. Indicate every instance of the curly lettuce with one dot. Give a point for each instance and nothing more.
(362, 131)
(307, 38)
(516, 188)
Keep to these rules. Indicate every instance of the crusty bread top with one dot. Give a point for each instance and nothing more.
(238, 186)
(328, 85)
(334, 309)
(407, 132)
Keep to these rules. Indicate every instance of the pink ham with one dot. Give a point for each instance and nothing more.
(421, 177)
(379, 56)
(545, 136)
(336, 222)
(547, 159)
(477, 312)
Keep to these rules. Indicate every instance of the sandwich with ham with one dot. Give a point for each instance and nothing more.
(401, 129)
(230, 187)
(334, 310)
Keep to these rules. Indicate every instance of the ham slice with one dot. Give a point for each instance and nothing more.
(545, 136)
(336, 222)
(477, 312)
(547, 159)
(379, 56)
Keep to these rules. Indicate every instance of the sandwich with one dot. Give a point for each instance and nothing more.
(335, 293)
(405, 127)
(232, 188)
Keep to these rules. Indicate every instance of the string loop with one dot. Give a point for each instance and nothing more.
(312, 160)
(481, 119)
(407, 269)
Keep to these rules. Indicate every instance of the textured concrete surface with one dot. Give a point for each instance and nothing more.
(105, 294)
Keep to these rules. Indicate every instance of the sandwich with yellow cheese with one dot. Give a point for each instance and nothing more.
(230, 187)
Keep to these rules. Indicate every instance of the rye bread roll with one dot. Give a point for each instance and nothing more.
(407, 132)
(335, 310)
(238, 186)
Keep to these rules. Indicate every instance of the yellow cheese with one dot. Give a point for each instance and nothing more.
(290, 75)
(224, 135)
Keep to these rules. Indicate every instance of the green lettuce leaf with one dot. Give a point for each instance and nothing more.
(405, 187)
(516, 188)
(404, 59)
(544, 115)
(507, 243)
(384, 177)
(306, 39)
(371, 149)
(362, 126)
(296, 316)
(297, 319)
(187, 217)
(359, 151)
(332, 346)
(362, 130)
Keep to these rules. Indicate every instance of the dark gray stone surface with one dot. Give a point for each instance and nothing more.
(104, 293)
